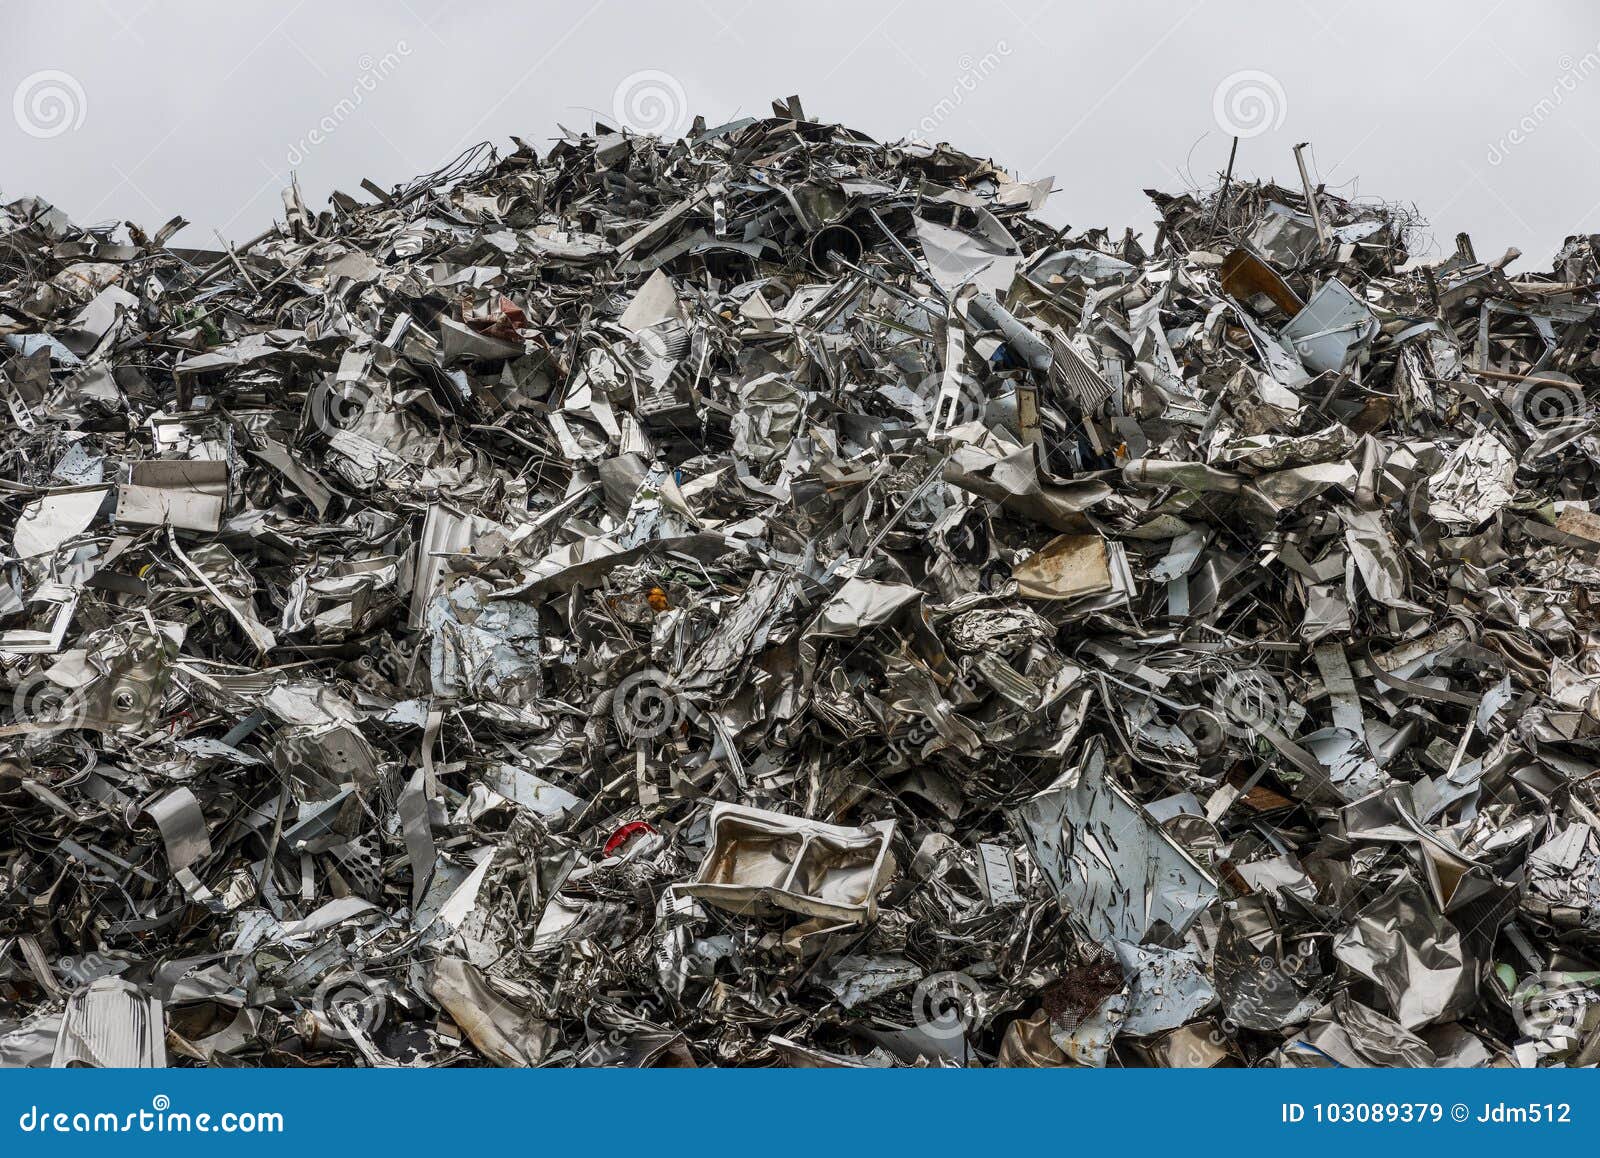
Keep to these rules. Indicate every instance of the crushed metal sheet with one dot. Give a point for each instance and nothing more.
(768, 599)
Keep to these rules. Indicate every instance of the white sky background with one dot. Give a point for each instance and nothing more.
(1482, 113)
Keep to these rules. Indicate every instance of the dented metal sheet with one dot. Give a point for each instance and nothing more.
(1108, 861)
(111, 1024)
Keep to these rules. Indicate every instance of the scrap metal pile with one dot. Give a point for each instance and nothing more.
(767, 599)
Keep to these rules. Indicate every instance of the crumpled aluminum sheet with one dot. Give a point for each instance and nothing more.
(764, 599)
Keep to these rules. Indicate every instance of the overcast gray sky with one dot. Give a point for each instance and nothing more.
(1482, 113)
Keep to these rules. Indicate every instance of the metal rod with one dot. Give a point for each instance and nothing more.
(1311, 197)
